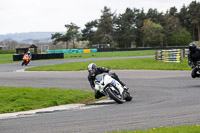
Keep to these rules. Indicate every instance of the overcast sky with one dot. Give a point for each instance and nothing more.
(51, 15)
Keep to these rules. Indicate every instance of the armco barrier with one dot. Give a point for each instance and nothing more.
(41, 56)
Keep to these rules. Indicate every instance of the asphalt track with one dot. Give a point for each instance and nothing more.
(160, 98)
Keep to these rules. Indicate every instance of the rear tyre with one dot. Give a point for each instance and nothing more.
(117, 97)
(128, 96)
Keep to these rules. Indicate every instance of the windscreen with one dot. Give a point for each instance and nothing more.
(99, 77)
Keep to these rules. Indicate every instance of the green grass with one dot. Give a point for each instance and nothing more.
(137, 64)
(109, 54)
(7, 51)
(179, 129)
(8, 58)
(13, 99)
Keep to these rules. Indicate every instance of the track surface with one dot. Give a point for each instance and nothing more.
(161, 98)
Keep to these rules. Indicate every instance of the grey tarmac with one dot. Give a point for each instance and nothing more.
(160, 98)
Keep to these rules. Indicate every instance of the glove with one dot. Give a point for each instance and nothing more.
(191, 65)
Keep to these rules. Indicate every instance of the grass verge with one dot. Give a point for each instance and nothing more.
(13, 99)
(8, 58)
(138, 64)
(179, 129)
(109, 54)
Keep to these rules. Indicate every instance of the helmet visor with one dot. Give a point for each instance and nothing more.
(192, 48)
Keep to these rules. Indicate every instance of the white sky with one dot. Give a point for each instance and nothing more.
(18, 16)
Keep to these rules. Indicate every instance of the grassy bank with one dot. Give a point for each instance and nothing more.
(13, 99)
(180, 129)
(138, 64)
(8, 58)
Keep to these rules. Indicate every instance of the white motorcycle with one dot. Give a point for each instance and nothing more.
(108, 86)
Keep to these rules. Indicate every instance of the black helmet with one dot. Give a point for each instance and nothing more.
(192, 46)
(91, 68)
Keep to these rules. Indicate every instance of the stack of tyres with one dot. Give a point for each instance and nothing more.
(40, 56)
(174, 55)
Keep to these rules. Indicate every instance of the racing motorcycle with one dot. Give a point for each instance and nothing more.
(25, 60)
(108, 86)
(198, 65)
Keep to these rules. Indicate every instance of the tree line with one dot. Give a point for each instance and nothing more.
(135, 28)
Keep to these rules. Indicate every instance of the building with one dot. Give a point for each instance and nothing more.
(22, 49)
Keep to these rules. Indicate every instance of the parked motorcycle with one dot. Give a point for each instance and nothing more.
(108, 86)
(25, 60)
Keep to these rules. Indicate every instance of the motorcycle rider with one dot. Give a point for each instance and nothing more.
(94, 71)
(193, 58)
(29, 55)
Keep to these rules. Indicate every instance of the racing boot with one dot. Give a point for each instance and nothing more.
(123, 85)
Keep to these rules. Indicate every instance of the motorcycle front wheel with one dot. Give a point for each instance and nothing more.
(116, 97)
(23, 62)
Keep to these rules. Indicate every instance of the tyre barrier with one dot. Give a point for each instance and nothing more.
(174, 55)
(40, 56)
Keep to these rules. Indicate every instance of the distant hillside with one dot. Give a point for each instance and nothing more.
(29, 36)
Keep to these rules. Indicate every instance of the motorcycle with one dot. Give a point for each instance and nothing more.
(25, 60)
(198, 66)
(108, 86)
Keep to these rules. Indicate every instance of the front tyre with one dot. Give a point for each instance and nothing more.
(23, 62)
(116, 97)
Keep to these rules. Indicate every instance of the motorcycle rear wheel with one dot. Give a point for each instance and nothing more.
(128, 96)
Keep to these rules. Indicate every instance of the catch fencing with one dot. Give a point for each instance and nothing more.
(174, 55)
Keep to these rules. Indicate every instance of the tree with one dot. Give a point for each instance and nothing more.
(194, 11)
(72, 34)
(173, 11)
(58, 37)
(155, 16)
(179, 38)
(152, 34)
(105, 27)
(139, 21)
(184, 18)
(88, 34)
(125, 29)
(175, 34)
(172, 26)
(9, 43)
